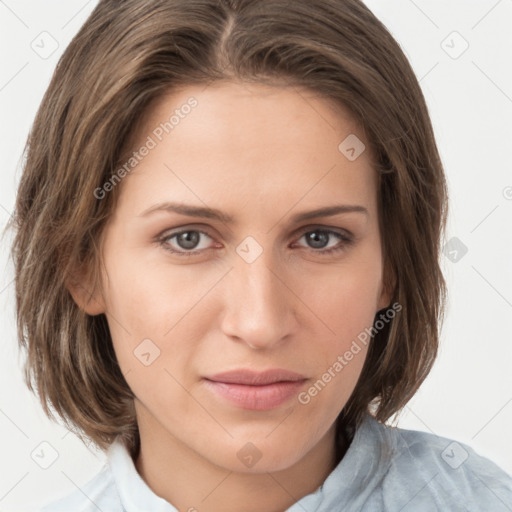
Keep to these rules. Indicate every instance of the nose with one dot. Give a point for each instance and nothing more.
(260, 309)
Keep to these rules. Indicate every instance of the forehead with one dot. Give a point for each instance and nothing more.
(253, 142)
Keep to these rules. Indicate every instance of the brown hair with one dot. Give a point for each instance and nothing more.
(126, 56)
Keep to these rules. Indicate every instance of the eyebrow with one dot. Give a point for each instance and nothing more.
(212, 213)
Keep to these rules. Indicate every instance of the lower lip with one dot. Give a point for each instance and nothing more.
(257, 398)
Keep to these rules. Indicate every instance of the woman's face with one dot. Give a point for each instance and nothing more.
(249, 285)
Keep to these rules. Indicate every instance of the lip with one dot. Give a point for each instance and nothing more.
(254, 378)
(259, 391)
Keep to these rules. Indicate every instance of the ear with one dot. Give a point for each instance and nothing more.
(387, 288)
(81, 287)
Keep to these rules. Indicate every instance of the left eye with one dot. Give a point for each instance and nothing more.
(319, 239)
(187, 241)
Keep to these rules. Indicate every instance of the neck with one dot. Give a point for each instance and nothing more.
(190, 482)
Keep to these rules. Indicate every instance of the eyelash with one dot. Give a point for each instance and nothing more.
(346, 240)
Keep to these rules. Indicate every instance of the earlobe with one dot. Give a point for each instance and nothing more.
(85, 298)
(386, 294)
(384, 302)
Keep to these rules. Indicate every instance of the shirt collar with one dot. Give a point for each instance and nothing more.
(134, 493)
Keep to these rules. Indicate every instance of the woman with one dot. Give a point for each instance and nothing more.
(228, 231)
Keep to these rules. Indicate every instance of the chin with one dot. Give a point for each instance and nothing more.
(257, 457)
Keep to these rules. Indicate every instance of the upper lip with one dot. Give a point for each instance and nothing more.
(255, 378)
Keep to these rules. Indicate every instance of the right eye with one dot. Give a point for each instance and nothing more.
(186, 242)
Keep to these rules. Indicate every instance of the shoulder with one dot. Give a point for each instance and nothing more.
(99, 493)
(429, 470)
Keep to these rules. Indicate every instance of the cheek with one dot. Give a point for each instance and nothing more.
(143, 303)
(152, 297)
(157, 313)
(345, 300)
(334, 382)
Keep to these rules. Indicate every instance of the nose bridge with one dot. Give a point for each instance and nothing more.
(258, 306)
(259, 283)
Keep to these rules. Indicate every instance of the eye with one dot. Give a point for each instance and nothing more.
(319, 238)
(186, 241)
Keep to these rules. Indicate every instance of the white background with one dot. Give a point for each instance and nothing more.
(468, 395)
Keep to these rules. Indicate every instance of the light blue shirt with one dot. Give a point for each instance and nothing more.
(385, 469)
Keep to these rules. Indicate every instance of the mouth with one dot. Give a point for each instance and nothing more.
(248, 389)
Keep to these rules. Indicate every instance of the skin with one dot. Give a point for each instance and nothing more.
(260, 154)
